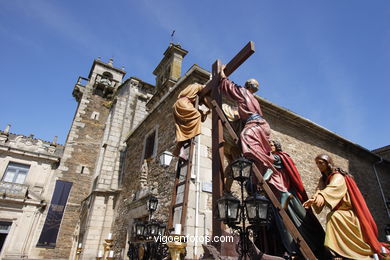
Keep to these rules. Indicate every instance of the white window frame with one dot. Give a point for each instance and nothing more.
(19, 167)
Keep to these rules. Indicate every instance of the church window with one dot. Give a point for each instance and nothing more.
(150, 145)
(107, 75)
(16, 173)
(95, 115)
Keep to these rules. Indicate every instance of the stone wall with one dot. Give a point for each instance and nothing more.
(78, 165)
(304, 140)
(159, 180)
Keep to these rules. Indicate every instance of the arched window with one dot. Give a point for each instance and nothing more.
(107, 75)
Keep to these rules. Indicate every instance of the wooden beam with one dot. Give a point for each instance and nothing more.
(217, 155)
(242, 56)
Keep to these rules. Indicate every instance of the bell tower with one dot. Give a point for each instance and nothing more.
(95, 97)
(168, 71)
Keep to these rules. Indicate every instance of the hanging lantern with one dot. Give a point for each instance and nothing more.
(257, 207)
(152, 203)
(139, 228)
(241, 169)
(228, 208)
(153, 228)
(166, 158)
(161, 230)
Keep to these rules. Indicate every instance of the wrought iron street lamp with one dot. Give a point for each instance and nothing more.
(233, 211)
(145, 233)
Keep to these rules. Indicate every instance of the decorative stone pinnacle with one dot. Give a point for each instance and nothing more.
(54, 140)
(7, 128)
(110, 62)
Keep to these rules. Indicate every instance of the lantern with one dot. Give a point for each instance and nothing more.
(257, 209)
(152, 203)
(228, 208)
(166, 158)
(241, 169)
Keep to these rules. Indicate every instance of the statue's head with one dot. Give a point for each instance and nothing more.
(324, 163)
(275, 146)
(252, 85)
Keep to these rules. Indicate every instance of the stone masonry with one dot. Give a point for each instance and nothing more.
(82, 147)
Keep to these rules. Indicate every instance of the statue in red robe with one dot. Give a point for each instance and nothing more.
(291, 200)
(256, 132)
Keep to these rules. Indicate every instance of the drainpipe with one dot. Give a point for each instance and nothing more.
(379, 183)
(197, 195)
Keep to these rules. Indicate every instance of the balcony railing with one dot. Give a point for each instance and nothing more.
(82, 81)
(14, 190)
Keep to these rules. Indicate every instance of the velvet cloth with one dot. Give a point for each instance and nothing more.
(187, 117)
(256, 133)
(343, 227)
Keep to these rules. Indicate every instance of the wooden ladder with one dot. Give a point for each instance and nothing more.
(181, 188)
(302, 244)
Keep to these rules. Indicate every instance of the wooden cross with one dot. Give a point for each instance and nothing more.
(212, 90)
(212, 97)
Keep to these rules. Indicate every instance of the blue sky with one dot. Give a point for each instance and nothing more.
(327, 61)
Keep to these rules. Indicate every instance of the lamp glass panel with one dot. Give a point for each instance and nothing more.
(153, 229)
(236, 170)
(232, 208)
(263, 210)
(221, 209)
(246, 170)
(161, 230)
(251, 209)
(139, 227)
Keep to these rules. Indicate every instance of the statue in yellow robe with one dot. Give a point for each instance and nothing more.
(187, 117)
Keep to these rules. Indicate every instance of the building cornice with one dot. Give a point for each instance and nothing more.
(42, 156)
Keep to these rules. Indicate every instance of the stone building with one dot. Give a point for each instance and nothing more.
(28, 179)
(301, 138)
(120, 129)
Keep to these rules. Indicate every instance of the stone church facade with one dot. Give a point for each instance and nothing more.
(110, 157)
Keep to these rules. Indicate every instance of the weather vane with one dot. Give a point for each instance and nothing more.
(172, 35)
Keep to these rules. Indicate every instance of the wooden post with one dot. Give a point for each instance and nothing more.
(217, 154)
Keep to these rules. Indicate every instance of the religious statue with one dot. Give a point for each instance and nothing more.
(288, 188)
(187, 118)
(351, 231)
(256, 131)
(143, 180)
